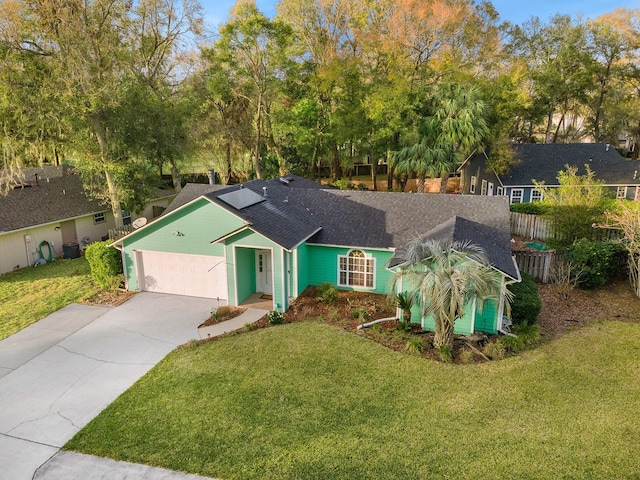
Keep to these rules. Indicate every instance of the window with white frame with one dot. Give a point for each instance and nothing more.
(516, 195)
(483, 189)
(356, 270)
(536, 195)
(472, 186)
(637, 196)
(622, 192)
(499, 191)
(126, 217)
(99, 218)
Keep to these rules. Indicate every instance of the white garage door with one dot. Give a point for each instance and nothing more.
(182, 274)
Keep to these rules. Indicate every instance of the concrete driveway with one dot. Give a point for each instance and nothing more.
(58, 374)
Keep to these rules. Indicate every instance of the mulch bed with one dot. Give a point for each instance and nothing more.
(110, 298)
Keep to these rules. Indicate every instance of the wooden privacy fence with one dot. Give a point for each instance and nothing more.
(537, 264)
(116, 233)
(531, 226)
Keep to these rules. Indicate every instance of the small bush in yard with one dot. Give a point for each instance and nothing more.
(596, 261)
(275, 318)
(105, 263)
(495, 350)
(328, 293)
(526, 303)
(532, 208)
(415, 345)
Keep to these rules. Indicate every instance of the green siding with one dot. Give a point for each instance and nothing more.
(322, 266)
(462, 326)
(303, 267)
(246, 268)
(487, 318)
(252, 240)
(198, 223)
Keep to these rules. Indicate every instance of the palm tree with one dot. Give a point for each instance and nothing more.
(442, 278)
(458, 125)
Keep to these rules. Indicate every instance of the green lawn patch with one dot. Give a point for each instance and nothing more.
(31, 294)
(307, 400)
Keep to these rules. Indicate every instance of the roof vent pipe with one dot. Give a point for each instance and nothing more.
(608, 145)
(264, 191)
(212, 177)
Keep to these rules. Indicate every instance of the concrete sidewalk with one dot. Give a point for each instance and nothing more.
(250, 315)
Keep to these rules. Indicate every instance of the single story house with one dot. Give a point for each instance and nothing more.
(542, 162)
(279, 236)
(46, 209)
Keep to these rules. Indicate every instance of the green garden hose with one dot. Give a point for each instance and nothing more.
(44, 242)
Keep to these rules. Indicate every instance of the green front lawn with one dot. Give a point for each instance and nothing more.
(307, 400)
(32, 293)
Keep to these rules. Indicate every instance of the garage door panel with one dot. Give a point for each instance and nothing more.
(182, 274)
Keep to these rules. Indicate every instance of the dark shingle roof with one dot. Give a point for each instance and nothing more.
(278, 217)
(495, 243)
(391, 219)
(542, 162)
(58, 199)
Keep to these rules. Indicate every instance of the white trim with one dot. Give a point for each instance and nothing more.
(538, 193)
(53, 222)
(637, 195)
(235, 276)
(351, 247)
(624, 193)
(368, 257)
(490, 189)
(285, 278)
(500, 190)
(473, 315)
(104, 218)
(483, 187)
(295, 274)
(472, 184)
(521, 190)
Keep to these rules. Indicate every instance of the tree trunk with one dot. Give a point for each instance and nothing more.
(227, 174)
(389, 172)
(175, 176)
(112, 189)
(443, 183)
(443, 335)
(256, 154)
(547, 132)
(336, 163)
(373, 174)
(421, 182)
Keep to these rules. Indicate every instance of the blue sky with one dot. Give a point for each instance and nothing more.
(515, 11)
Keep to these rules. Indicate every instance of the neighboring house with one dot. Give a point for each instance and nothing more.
(279, 236)
(47, 208)
(542, 162)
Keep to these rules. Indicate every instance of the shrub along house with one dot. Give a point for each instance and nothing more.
(279, 236)
(542, 162)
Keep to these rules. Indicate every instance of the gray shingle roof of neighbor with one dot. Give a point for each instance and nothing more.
(494, 242)
(542, 162)
(58, 199)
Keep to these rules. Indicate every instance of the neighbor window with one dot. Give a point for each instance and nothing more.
(516, 195)
(99, 218)
(126, 217)
(622, 192)
(499, 191)
(536, 195)
(356, 270)
(472, 187)
(483, 189)
(637, 197)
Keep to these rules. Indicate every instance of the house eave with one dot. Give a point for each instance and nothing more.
(52, 222)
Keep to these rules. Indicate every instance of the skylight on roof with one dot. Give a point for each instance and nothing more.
(241, 198)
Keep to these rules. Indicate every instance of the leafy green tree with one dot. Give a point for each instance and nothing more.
(442, 278)
(578, 203)
(255, 51)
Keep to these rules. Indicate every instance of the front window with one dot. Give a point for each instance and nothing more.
(99, 218)
(536, 195)
(516, 195)
(472, 187)
(356, 270)
(621, 193)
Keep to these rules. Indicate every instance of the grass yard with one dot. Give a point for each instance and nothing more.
(309, 401)
(30, 294)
